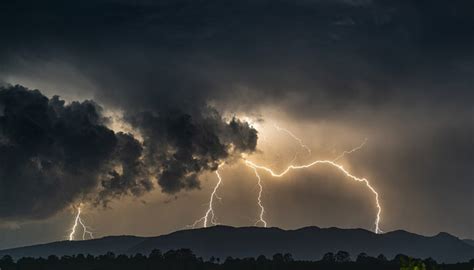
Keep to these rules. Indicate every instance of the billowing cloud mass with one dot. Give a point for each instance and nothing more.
(50, 153)
(400, 73)
(184, 145)
(53, 153)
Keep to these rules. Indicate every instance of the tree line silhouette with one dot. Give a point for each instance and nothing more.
(185, 259)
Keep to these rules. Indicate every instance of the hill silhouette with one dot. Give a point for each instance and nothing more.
(309, 243)
(469, 241)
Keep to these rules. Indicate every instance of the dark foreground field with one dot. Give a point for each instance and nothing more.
(185, 259)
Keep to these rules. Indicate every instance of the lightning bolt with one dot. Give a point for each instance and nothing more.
(78, 221)
(259, 200)
(209, 216)
(350, 151)
(294, 137)
(333, 164)
(259, 183)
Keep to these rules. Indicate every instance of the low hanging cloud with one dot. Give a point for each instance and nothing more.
(53, 154)
(183, 146)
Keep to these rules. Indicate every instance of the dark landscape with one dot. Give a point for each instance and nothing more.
(186, 259)
(310, 243)
(349, 123)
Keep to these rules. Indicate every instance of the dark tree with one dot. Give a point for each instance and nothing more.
(362, 258)
(329, 257)
(185, 259)
(278, 258)
(342, 256)
(156, 255)
(382, 258)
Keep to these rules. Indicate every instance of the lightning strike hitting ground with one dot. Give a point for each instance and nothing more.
(294, 137)
(78, 221)
(210, 215)
(259, 200)
(331, 163)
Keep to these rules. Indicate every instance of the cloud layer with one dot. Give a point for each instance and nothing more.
(54, 154)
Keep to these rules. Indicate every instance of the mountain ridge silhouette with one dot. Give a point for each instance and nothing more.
(307, 243)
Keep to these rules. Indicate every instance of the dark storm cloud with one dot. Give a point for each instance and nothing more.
(185, 145)
(332, 55)
(53, 154)
(132, 177)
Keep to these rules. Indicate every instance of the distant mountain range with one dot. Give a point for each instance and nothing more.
(309, 243)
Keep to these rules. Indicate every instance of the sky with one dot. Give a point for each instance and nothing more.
(128, 108)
